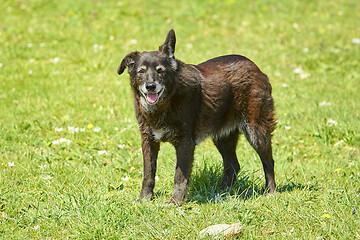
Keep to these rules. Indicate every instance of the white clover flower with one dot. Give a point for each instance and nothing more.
(301, 73)
(73, 129)
(1, 65)
(285, 85)
(287, 127)
(298, 71)
(102, 152)
(42, 166)
(11, 164)
(180, 211)
(56, 60)
(338, 143)
(121, 146)
(356, 40)
(64, 140)
(332, 122)
(291, 231)
(59, 129)
(61, 140)
(125, 179)
(133, 41)
(47, 177)
(324, 103)
(36, 227)
(157, 178)
(97, 47)
(97, 129)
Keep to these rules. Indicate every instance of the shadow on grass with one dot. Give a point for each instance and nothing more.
(205, 186)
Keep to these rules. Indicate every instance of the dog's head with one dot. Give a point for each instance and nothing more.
(152, 73)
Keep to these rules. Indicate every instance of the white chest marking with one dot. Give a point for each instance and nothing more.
(158, 134)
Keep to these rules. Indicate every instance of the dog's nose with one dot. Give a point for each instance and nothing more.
(150, 86)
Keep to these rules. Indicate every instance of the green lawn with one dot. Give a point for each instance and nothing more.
(70, 158)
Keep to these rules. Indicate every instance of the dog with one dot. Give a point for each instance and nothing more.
(183, 104)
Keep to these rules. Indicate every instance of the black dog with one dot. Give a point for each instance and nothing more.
(183, 104)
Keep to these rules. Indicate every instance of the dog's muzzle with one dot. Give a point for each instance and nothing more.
(151, 92)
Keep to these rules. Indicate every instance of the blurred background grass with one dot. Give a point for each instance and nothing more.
(58, 62)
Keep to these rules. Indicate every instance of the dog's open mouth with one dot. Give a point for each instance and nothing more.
(152, 97)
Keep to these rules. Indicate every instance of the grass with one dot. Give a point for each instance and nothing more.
(58, 70)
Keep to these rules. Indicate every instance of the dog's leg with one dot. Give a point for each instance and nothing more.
(260, 138)
(150, 149)
(227, 148)
(184, 160)
(268, 165)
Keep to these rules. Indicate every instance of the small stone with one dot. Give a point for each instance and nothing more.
(222, 230)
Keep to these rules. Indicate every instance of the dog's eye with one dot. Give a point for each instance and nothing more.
(141, 71)
(160, 70)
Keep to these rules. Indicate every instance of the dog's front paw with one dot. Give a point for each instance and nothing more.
(145, 196)
(143, 199)
(175, 201)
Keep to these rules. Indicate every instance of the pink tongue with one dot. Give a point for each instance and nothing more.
(151, 98)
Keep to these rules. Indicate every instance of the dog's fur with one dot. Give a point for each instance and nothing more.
(183, 104)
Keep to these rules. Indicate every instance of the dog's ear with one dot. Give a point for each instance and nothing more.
(128, 61)
(168, 48)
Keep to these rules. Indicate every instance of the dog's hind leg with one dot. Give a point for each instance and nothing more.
(260, 138)
(227, 148)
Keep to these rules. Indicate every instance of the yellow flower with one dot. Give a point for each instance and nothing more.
(90, 126)
(326, 215)
(338, 169)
